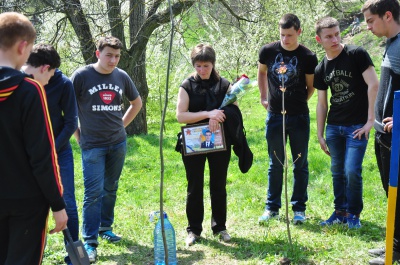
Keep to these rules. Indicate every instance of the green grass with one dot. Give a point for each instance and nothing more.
(251, 244)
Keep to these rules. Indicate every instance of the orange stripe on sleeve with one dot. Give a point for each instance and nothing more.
(5, 93)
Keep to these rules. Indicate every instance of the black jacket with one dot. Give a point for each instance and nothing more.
(235, 134)
(28, 160)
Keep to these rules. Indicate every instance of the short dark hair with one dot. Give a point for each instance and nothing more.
(205, 53)
(325, 23)
(208, 131)
(109, 41)
(14, 27)
(380, 7)
(44, 54)
(288, 21)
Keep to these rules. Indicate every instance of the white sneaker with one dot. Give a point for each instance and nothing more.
(92, 252)
(267, 215)
(191, 239)
(224, 236)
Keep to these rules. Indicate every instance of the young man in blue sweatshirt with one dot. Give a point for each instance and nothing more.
(43, 62)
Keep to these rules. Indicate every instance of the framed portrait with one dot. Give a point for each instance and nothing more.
(198, 139)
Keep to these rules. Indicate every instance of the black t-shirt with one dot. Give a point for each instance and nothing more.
(343, 75)
(298, 62)
(205, 95)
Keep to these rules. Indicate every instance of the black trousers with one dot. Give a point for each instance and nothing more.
(383, 154)
(218, 163)
(23, 226)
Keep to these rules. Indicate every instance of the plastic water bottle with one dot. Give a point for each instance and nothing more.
(159, 255)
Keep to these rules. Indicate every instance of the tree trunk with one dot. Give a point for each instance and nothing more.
(133, 56)
(136, 67)
(77, 18)
(138, 74)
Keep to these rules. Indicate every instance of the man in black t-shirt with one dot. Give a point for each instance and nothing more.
(286, 64)
(349, 72)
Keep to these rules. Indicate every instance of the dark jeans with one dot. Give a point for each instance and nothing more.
(23, 231)
(66, 163)
(298, 131)
(383, 154)
(218, 163)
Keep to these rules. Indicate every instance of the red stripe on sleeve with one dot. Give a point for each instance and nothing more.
(49, 130)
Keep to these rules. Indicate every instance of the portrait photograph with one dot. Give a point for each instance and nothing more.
(198, 139)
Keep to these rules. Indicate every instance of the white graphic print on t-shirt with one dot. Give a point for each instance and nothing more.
(107, 94)
(340, 87)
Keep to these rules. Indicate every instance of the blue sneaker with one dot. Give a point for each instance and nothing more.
(92, 252)
(267, 215)
(110, 236)
(335, 219)
(353, 221)
(299, 218)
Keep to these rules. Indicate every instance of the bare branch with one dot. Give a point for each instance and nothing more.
(60, 24)
(152, 23)
(154, 7)
(74, 12)
(239, 18)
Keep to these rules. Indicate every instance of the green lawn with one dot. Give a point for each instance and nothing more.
(251, 244)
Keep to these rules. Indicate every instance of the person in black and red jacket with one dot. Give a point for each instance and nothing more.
(29, 180)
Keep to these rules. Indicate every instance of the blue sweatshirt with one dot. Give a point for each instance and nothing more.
(62, 108)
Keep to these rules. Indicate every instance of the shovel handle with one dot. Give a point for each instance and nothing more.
(67, 235)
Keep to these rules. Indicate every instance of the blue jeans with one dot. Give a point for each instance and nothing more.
(102, 167)
(66, 163)
(297, 130)
(347, 155)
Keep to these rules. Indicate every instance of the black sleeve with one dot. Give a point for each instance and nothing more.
(40, 146)
(263, 54)
(319, 74)
(362, 59)
(312, 62)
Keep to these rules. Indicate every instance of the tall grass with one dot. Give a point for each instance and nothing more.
(138, 195)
